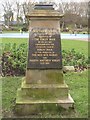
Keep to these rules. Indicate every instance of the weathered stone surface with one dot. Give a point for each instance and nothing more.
(43, 92)
(44, 77)
(31, 107)
(43, 88)
(46, 14)
(68, 68)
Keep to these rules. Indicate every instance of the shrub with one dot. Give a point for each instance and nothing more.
(76, 59)
(14, 59)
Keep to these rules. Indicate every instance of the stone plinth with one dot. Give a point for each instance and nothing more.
(43, 88)
(49, 93)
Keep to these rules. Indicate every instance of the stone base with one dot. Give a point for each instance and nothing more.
(38, 98)
(30, 107)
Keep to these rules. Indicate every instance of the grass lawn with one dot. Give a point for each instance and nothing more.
(79, 46)
(78, 85)
(13, 40)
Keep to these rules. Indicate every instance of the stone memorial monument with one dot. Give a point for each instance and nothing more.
(43, 88)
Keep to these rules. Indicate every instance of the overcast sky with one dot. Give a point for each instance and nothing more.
(2, 1)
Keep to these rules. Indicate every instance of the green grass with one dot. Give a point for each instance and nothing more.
(78, 85)
(9, 88)
(13, 40)
(79, 46)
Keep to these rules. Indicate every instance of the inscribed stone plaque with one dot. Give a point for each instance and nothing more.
(44, 49)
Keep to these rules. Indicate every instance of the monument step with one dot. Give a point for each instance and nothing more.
(28, 101)
(43, 92)
(43, 86)
(27, 106)
(37, 91)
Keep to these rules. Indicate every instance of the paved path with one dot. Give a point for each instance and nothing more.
(83, 37)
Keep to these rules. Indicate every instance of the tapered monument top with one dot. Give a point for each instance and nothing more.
(44, 10)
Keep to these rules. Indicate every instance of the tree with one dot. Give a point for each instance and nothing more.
(18, 11)
(8, 13)
(27, 8)
(8, 16)
(75, 13)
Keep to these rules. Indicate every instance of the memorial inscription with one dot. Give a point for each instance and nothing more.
(44, 49)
